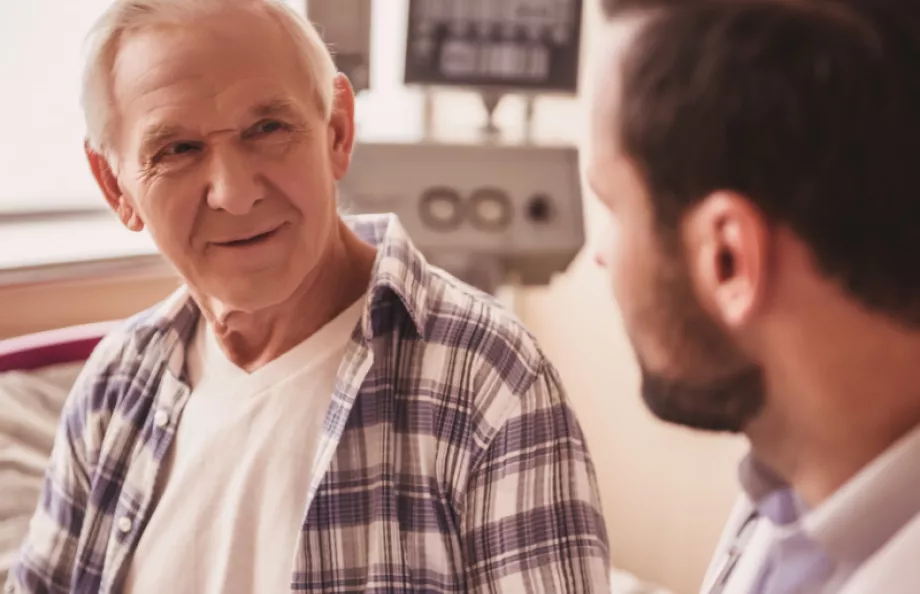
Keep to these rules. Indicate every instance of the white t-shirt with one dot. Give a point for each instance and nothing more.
(236, 486)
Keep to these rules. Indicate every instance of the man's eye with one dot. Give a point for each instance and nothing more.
(183, 147)
(267, 127)
(177, 149)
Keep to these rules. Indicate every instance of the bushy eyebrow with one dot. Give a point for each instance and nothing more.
(279, 107)
(158, 135)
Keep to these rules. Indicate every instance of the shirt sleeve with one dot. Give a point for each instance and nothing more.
(47, 556)
(532, 521)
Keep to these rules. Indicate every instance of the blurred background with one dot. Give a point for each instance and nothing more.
(470, 113)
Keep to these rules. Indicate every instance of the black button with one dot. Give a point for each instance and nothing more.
(540, 208)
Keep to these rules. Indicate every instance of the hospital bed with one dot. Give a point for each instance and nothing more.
(36, 374)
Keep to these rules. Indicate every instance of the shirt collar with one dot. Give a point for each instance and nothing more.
(860, 517)
(868, 511)
(770, 494)
(399, 271)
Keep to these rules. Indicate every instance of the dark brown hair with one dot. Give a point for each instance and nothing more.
(809, 109)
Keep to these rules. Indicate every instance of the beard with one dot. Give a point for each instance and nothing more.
(711, 383)
(725, 404)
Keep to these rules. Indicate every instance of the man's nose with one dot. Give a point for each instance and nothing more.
(234, 186)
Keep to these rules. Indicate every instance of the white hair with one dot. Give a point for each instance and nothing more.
(127, 16)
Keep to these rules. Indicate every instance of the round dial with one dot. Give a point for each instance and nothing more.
(441, 208)
(490, 209)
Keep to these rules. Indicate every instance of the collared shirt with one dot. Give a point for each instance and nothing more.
(450, 460)
(791, 549)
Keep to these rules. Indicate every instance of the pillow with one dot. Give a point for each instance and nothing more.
(30, 406)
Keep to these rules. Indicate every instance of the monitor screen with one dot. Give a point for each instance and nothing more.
(528, 45)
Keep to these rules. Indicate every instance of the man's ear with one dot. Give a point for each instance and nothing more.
(108, 183)
(342, 126)
(728, 242)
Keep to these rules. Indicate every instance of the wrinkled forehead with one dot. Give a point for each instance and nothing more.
(222, 65)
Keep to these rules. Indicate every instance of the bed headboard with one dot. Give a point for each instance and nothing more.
(53, 347)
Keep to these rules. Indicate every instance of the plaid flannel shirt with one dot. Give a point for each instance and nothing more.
(450, 459)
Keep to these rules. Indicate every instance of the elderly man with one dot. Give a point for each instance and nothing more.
(319, 410)
(758, 159)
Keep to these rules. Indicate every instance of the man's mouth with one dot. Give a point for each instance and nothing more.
(249, 241)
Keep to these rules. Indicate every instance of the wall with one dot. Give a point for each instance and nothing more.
(33, 308)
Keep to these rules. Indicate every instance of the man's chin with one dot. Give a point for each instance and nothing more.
(237, 295)
(725, 405)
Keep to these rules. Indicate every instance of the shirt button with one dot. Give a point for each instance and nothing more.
(125, 524)
(161, 419)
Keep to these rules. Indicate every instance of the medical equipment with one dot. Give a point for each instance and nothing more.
(491, 212)
(510, 44)
(496, 47)
(487, 213)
